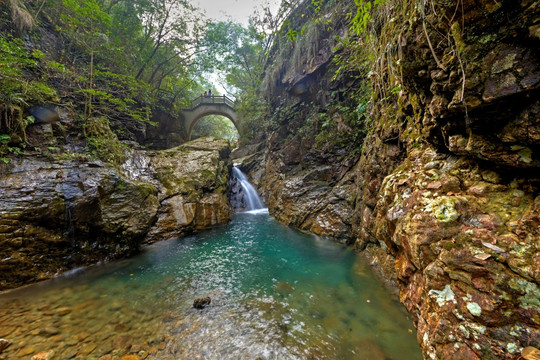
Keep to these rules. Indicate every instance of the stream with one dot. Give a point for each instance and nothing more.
(275, 293)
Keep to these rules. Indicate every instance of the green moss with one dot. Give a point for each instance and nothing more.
(165, 176)
(443, 208)
(451, 245)
(102, 142)
(208, 175)
(458, 36)
(146, 189)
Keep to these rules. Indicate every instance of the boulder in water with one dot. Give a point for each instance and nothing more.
(201, 303)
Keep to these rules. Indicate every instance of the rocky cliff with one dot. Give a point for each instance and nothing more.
(60, 214)
(192, 181)
(435, 177)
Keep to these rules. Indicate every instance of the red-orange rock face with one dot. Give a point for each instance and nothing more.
(466, 260)
(444, 198)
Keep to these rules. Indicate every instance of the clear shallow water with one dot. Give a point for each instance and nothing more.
(276, 294)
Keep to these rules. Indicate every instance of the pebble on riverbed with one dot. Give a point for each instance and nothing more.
(44, 355)
(4, 344)
(201, 303)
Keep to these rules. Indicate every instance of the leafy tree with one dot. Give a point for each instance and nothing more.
(170, 29)
(88, 25)
(235, 51)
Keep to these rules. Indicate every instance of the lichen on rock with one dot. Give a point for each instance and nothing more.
(443, 208)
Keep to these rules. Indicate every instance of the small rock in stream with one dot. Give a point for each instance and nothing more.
(4, 344)
(44, 355)
(63, 311)
(201, 303)
(49, 331)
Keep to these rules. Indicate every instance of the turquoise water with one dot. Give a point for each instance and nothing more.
(276, 294)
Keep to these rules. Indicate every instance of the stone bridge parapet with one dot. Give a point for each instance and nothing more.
(208, 105)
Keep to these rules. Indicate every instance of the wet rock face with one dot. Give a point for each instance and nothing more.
(460, 214)
(192, 184)
(56, 216)
(483, 104)
(457, 206)
(316, 199)
(237, 197)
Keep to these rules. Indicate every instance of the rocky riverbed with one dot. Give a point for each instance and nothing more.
(276, 294)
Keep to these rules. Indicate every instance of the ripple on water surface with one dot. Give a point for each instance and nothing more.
(276, 294)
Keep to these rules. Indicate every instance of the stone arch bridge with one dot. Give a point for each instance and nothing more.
(208, 105)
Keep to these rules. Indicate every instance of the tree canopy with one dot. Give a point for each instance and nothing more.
(125, 59)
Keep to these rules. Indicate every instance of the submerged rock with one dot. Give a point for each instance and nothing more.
(530, 353)
(44, 355)
(201, 303)
(49, 331)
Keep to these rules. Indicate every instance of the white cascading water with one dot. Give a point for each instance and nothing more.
(252, 198)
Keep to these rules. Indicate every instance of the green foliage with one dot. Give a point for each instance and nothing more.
(291, 35)
(102, 143)
(238, 54)
(343, 124)
(4, 139)
(6, 149)
(59, 67)
(17, 89)
(253, 109)
(87, 24)
(85, 10)
(363, 15)
(120, 95)
(373, 48)
(234, 51)
(217, 126)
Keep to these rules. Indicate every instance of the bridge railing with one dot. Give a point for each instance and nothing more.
(214, 99)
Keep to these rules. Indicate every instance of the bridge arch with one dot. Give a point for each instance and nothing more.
(211, 105)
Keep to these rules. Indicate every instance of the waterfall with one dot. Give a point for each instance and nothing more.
(244, 197)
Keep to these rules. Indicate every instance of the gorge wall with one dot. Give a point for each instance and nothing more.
(59, 214)
(418, 142)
